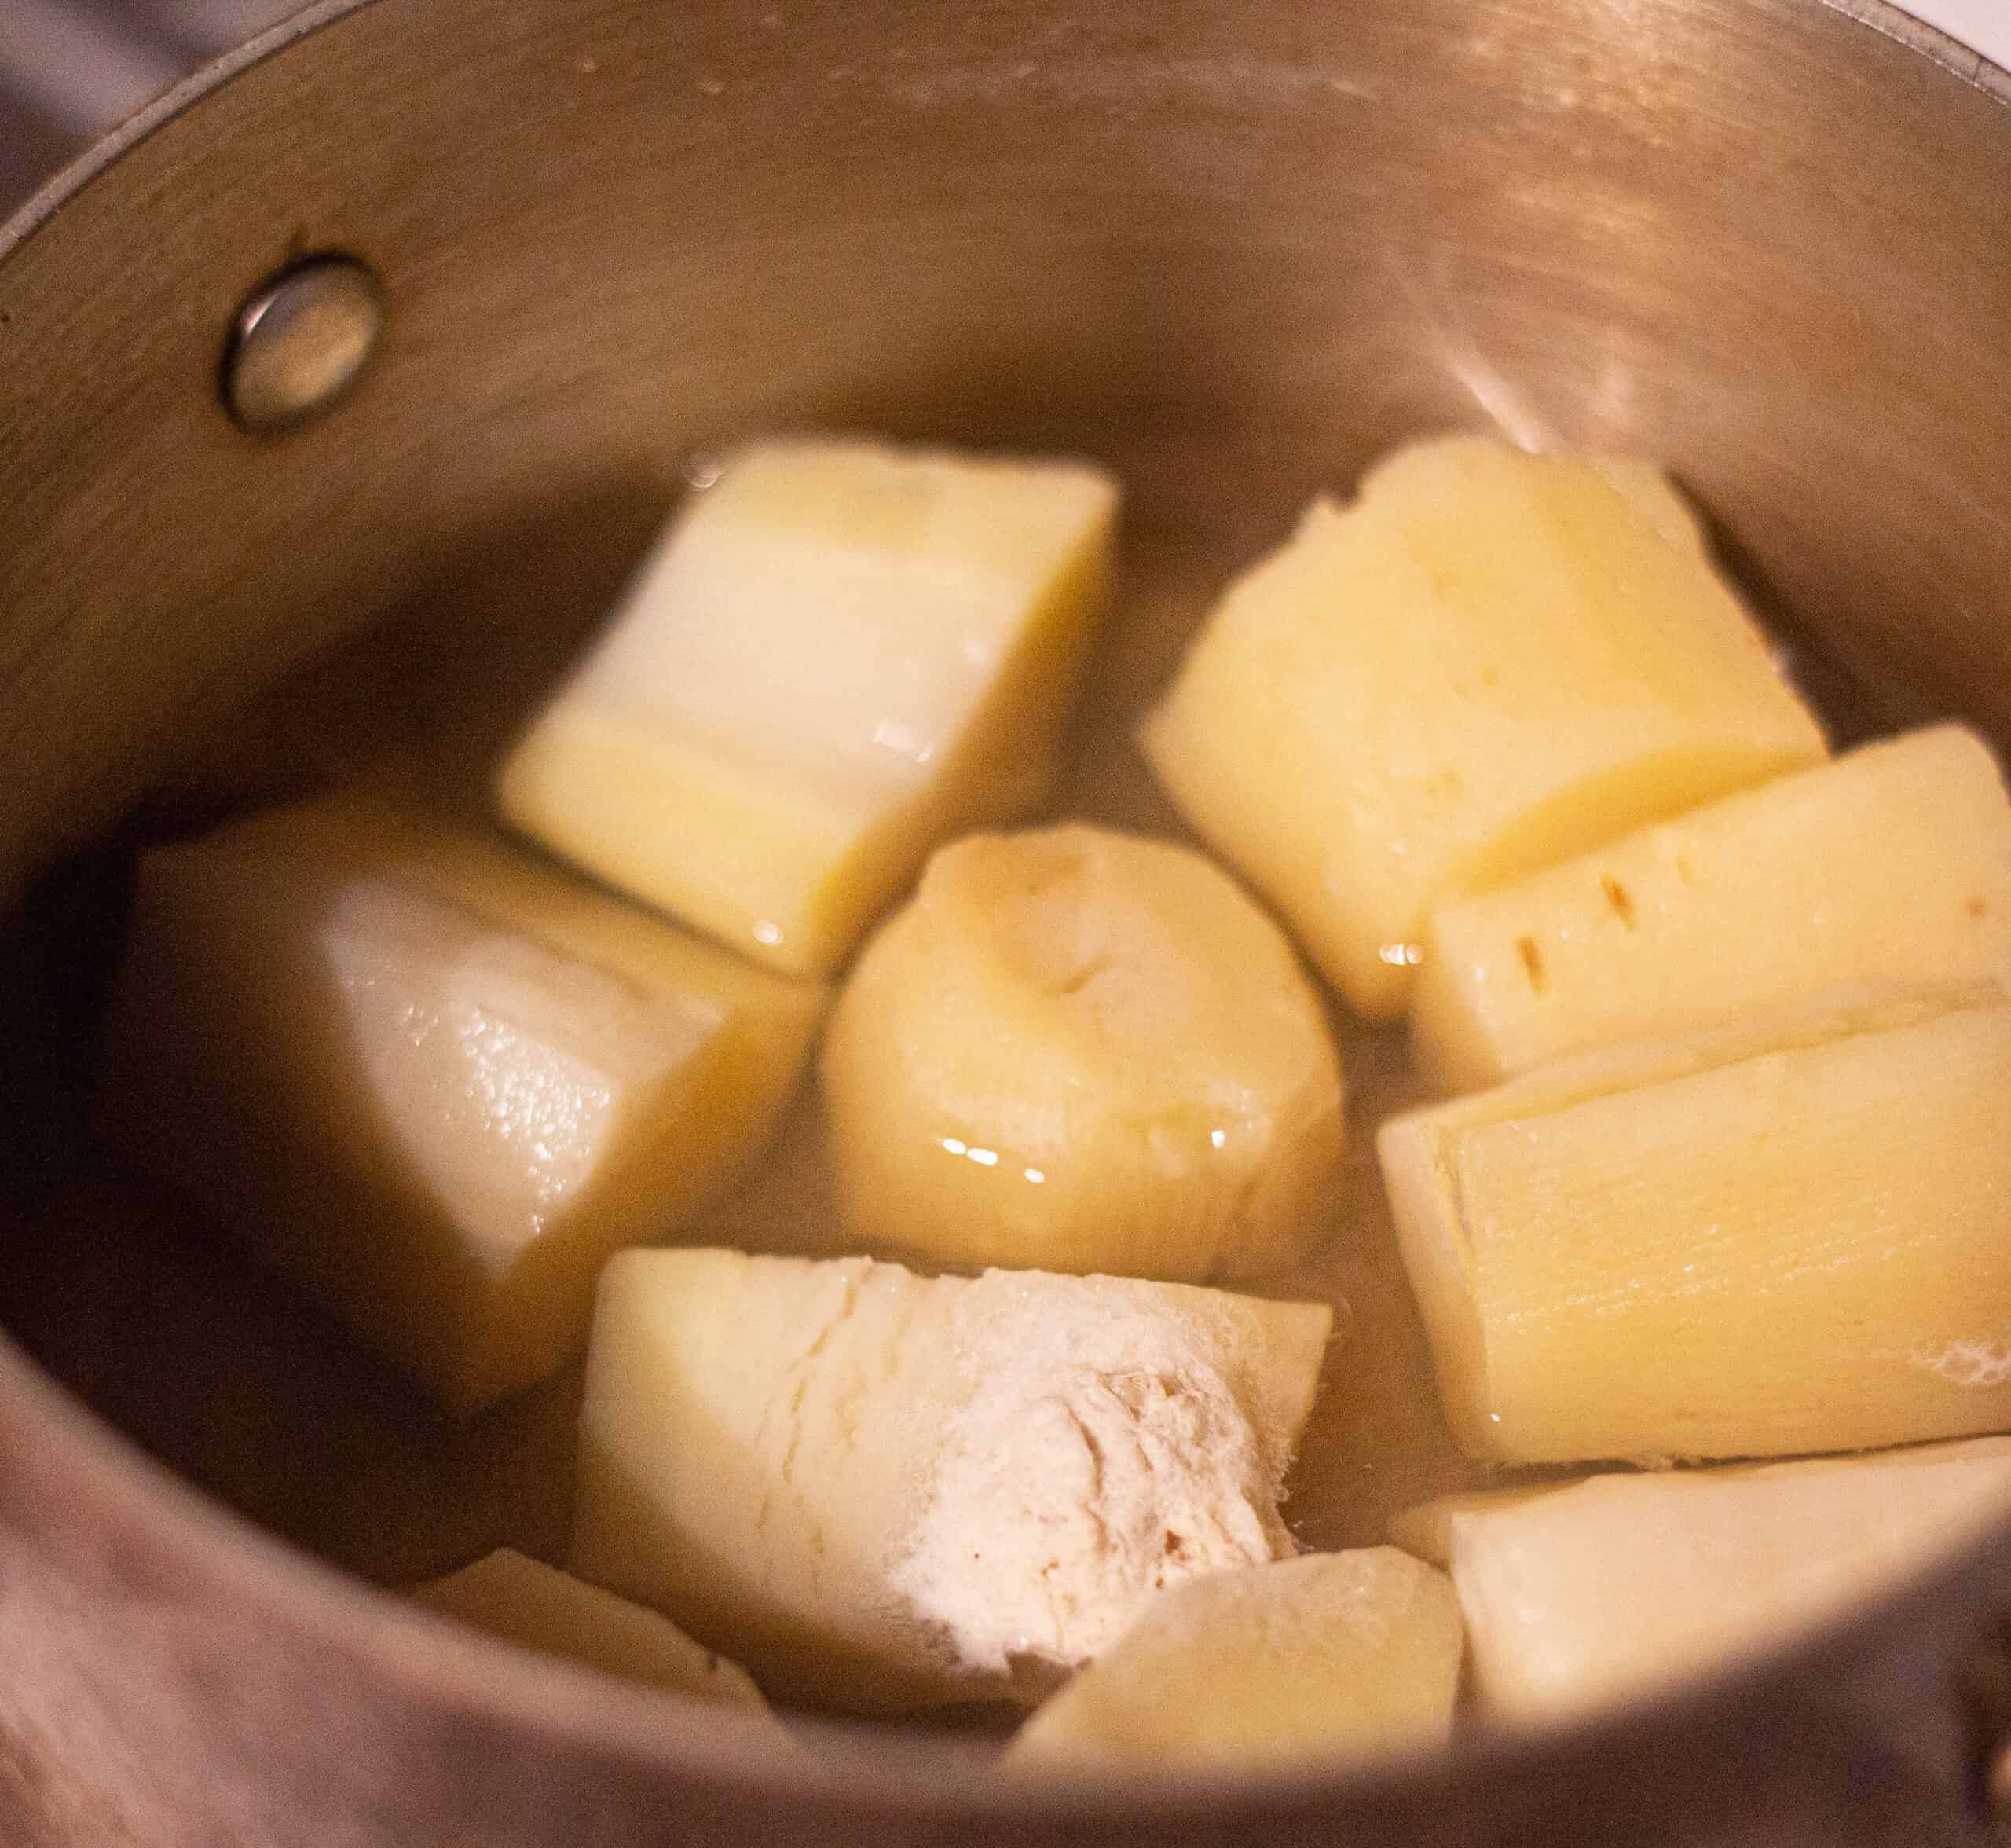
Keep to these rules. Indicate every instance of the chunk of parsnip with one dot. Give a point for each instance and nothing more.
(436, 1080)
(881, 1490)
(1891, 863)
(523, 1600)
(1489, 661)
(1081, 1050)
(1786, 1237)
(1612, 1586)
(1310, 1661)
(840, 654)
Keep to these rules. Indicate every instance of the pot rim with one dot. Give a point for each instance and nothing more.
(1885, 17)
(107, 1480)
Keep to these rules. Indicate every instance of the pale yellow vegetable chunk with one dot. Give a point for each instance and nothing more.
(1427, 1530)
(436, 1079)
(1080, 1050)
(1487, 662)
(1780, 1238)
(1333, 1656)
(881, 1490)
(1892, 863)
(840, 655)
(525, 1601)
(1617, 1585)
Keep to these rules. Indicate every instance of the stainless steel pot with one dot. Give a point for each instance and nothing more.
(1234, 247)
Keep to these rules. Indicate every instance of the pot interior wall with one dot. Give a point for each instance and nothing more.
(1234, 251)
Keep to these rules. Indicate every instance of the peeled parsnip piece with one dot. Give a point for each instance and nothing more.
(839, 656)
(1612, 1586)
(1081, 1050)
(1891, 863)
(1782, 1238)
(1426, 1531)
(435, 1079)
(525, 1601)
(1332, 1656)
(1489, 661)
(883, 1491)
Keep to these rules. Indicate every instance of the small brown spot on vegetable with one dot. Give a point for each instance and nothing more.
(1525, 948)
(1619, 899)
(1979, 909)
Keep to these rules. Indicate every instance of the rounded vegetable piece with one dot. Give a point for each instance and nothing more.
(1081, 1050)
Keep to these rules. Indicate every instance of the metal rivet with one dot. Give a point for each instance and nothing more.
(299, 342)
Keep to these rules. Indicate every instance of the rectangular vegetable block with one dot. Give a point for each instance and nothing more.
(840, 655)
(1891, 863)
(1784, 1237)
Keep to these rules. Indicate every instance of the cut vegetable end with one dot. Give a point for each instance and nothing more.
(1085, 1051)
